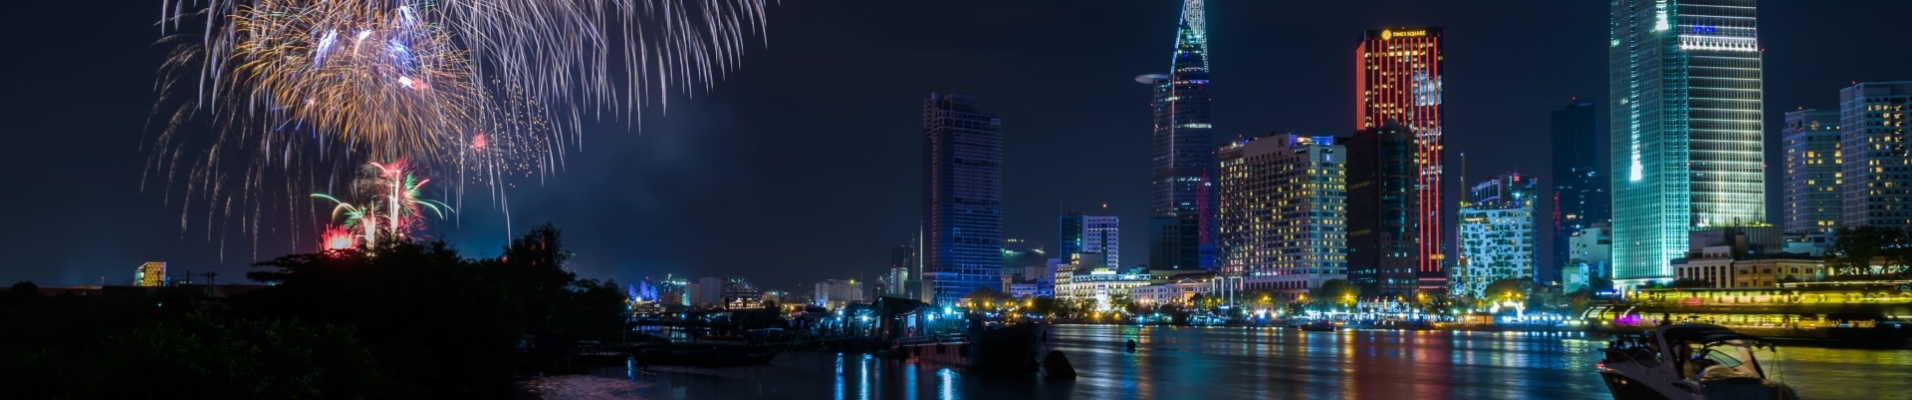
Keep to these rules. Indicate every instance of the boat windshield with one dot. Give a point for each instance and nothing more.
(1721, 358)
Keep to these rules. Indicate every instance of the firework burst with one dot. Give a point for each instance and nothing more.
(392, 206)
(299, 92)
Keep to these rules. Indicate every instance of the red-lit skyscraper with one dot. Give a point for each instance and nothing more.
(1398, 78)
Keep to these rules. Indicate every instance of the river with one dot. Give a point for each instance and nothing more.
(1213, 363)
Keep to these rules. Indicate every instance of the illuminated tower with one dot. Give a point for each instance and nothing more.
(1399, 80)
(1181, 209)
(1873, 152)
(962, 198)
(1685, 81)
(1090, 234)
(1812, 171)
(1283, 212)
(1381, 209)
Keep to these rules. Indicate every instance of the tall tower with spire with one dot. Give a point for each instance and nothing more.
(1182, 208)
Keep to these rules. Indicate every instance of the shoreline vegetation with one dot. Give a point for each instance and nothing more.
(405, 320)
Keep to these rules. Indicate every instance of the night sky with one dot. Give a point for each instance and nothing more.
(804, 164)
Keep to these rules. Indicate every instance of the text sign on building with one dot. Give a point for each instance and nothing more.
(1390, 35)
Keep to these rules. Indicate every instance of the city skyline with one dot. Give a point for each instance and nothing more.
(693, 139)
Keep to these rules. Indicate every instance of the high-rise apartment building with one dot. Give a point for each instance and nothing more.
(1090, 234)
(1873, 148)
(1812, 171)
(1497, 239)
(1283, 216)
(1687, 134)
(1181, 208)
(962, 198)
(1398, 78)
(1580, 197)
(1384, 240)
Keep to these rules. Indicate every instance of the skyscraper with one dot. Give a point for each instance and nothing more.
(1685, 81)
(962, 198)
(1181, 209)
(902, 272)
(1398, 78)
(1383, 219)
(1496, 234)
(1873, 149)
(1812, 171)
(1090, 234)
(1580, 196)
(1283, 212)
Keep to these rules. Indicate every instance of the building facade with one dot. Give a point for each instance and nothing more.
(1101, 286)
(151, 274)
(1580, 196)
(897, 282)
(1812, 171)
(1383, 232)
(1283, 217)
(1873, 145)
(1589, 256)
(962, 198)
(1177, 292)
(1687, 134)
(1497, 235)
(1745, 258)
(835, 293)
(1096, 234)
(1398, 79)
(1181, 208)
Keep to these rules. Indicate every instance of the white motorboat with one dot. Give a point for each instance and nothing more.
(1690, 362)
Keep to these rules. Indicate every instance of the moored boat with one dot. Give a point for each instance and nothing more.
(1689, 362)
(1319, 325)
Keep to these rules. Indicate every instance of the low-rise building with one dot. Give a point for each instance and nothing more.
(1100, 285)
(1175, 292)
(1743, 258)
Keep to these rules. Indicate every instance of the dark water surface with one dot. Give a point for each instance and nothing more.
(1240, 363)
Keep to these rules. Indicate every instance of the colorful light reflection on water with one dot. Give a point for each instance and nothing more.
(1230, 363)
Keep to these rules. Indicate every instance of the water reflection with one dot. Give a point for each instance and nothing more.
(1228, 363)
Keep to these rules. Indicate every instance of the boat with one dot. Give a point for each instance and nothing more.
(1003, 349)
(918, 333)
(1841, 313)
(1689, 362)
(1319, 325)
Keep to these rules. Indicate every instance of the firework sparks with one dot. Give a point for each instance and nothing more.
(302, 91)
(394, 207)
(337, 238)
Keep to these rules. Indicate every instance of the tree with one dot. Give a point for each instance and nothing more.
(1335, 291)
(1856, 247)
(1508, 289)
(23, 288)
(418, 306)
(1259, 299)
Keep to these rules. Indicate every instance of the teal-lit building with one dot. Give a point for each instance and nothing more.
(1686, 98)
